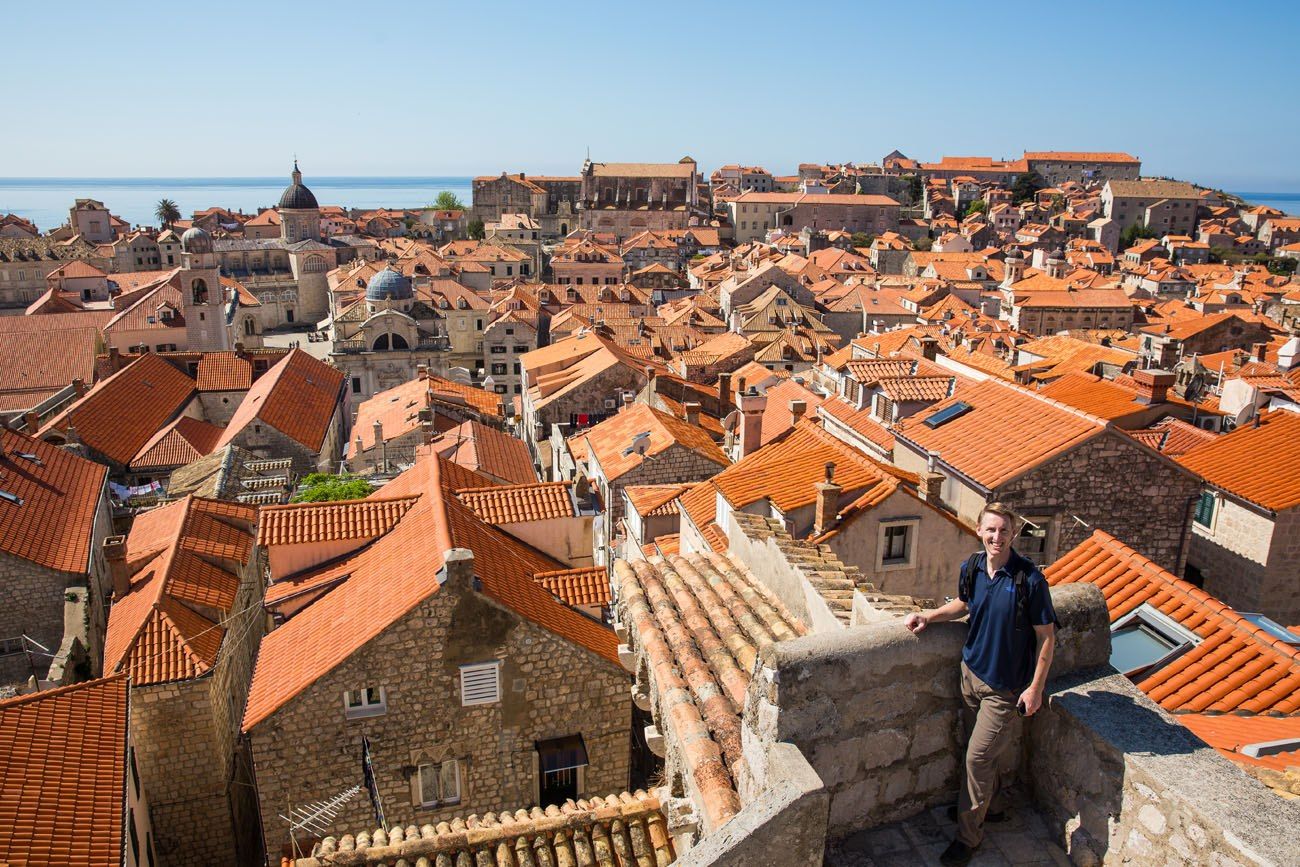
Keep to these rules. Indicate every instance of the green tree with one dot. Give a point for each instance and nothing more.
(1135, 233)
(979, 206)
(923, 244)
(324, 487)
(167, 212)
(914, 188)
(448, 201)
(862, 239)
(1026, 186)
(476, 230)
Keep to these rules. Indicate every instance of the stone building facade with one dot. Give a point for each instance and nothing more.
(309, 749)
(1248, 556)
(550, 201)
(628, 198)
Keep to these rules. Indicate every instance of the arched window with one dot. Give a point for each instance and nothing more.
(382, 342)
(200, 291)
(314, 265)
(249, 328)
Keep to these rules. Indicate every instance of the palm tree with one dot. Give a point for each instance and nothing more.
(167, 212)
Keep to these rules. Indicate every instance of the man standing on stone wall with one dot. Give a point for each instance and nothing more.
(1004, 666)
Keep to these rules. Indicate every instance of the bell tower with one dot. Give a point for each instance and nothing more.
(202, 298)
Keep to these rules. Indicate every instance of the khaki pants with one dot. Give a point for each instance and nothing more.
(994, 726)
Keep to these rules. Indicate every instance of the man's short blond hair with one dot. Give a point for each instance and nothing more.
(1001, 509)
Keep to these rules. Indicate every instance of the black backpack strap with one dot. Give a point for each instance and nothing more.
(966, 581)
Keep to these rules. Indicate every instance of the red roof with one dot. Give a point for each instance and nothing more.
(512, 504)
(297, 397)
(1260, 464)
(183, 441)
(312, 523)
(224, 371)
(487, 450)
(122, 413)
(60, 493)
(1236, 667)
(63, 762)
(587, 586)
(183, 557)
(396, 572)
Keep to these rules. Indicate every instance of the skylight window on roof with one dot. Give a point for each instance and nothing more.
(1146, 639)
(1272, 627)
(9, 497)
(28, 456)
(948, 413)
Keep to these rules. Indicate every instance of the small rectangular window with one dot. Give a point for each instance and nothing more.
(1032, 541)
(480, 683)
(1205, 508)
(896, 543)
(365, 702)
(439, 783)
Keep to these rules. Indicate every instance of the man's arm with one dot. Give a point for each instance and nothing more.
(1032, 697)
(954, 610)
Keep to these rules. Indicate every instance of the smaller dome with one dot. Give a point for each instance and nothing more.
(389, 284)
(196, 240)
(296, 196)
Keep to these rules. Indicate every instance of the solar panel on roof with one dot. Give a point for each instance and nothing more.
(948, 413)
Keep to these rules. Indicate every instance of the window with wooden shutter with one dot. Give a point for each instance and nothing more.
(480, 683)
(1205, 510)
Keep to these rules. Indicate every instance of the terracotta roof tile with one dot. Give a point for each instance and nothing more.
(1007, 431)
(298, 397)
(631, 824)
(400, 569)
(655, 500)
(587, 586)
(183, 441)
(1260, 464)
(1229, 733)
(45, 356)
(917, 388)
(1173, 436)
(60, 494)
(663, 546)
(1236, 667)
(610, 439)
(224, 371)
(511, 504)
(63, 762)
(397, 409)
(122, 413)
(488, 451)
(186, 553)
(700, 620)
(313, 523)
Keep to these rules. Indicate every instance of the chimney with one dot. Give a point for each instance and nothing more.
(1152, 385)
(724, 392)
(628, 399)
(692, 412)
(828, 502)
(649, 385)
(931, 486)
(357, 449)
(33, 419)
(458, 569)
(380, 454)
(115, 359)
(797, 410)
(1259, 350)
(422, 372)
(929, 347)
(751, 405)
(79, 388)
(115, 554)
(240, 351)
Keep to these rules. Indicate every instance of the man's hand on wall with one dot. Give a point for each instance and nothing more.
(916, 621)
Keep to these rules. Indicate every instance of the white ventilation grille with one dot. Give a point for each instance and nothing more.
(480, 683)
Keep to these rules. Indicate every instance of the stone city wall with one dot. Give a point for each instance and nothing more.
(1127, 784)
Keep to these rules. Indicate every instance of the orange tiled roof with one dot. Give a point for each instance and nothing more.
(313, 523)
(183, 556)
(487, 450)
(1228, 733)
(396, 572)
(122, 413)
(42, 354)
(675, 608)
(1007, 431)
(60, 494)
(63, 762)
(1173, 436)
(1094, 395)
(1260, 464)
(297, 397)
(224, 371)
(655, 500)
(859, 420)
(611, 438)
(787, 471)
(588, 586)
(183, 441)
(908, 388)
(511, 504)
(1237, 667)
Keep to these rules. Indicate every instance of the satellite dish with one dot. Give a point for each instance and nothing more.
(1195, 389)
(1243, 415)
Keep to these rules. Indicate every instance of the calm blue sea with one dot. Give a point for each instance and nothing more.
(45, 201)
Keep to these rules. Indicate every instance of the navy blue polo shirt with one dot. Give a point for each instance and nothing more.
(996, 651)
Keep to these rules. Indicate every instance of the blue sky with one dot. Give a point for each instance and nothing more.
(1200, 91)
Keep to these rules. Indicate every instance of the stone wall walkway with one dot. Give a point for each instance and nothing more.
(1021, 840)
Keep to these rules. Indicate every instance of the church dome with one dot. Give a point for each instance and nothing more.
(196, 240)
(388, 284)
(296, 196)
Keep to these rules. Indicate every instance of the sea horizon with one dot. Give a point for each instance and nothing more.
(46, 200)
